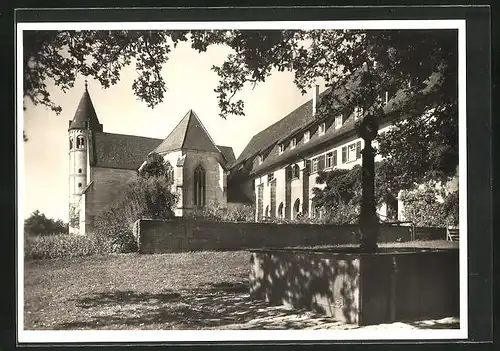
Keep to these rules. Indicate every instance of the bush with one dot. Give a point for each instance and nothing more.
(423, 208)
(232, 213)
(38, 224)
(142, 198)
(63, 245)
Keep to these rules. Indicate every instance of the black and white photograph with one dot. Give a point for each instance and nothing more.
(228, 181)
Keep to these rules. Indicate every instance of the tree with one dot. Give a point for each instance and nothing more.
(156, 166)
(418, 66)
(38, 224)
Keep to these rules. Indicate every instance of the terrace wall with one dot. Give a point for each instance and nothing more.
(181, 234)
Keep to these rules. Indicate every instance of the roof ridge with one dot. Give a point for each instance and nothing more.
(129, 135)
(205, 130)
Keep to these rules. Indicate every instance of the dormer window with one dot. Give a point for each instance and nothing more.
(281, 148)
(293, 143)
(260, 159)
(338, 121)
(307, 136)
(270, 178)
(321, 128)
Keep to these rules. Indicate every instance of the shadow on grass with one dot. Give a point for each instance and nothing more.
(211, 306)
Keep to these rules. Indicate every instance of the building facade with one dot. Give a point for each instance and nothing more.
(102, 163)
(279, 166)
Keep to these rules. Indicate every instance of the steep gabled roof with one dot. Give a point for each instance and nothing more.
(189, 134)
(121, 151)
(228, 154)
(300, 119)
(278, 131)
(85, 115)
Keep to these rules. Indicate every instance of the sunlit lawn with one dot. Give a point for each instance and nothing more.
(164, 291)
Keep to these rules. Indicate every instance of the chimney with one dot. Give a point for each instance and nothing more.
(315, 99)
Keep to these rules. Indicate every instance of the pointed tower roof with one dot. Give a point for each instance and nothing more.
(85, 115)
(189, 134)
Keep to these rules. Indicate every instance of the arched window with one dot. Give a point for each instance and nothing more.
(296, 171)
(80, 142)
(71, 143)
(296, 208)
(170, 174)
(199, 186)
(280, 210)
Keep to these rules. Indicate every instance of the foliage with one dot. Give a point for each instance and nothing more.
(155, 166)
(149, 198)
(63, 245)
(423, 207)
(340, 197)
(38, 224)
(417, 67)
(231, 213)
(74, 216)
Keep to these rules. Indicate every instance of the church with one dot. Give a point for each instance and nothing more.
(100, 163)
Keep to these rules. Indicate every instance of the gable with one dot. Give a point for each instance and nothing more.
(188, 134)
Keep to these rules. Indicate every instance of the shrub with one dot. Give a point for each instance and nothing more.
(422, 206)
(231, 213)
(38, 224)
(142, 198)
(63, 245)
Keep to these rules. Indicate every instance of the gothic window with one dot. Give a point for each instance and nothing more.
(199, 186)
(170, 174)
(70, 143)
(80, 142)
(280, 210)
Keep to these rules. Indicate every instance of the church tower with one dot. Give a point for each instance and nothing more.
(80, 133)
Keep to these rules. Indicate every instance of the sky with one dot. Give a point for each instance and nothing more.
(190, 85)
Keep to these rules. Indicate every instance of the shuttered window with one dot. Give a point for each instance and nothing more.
(358, 150)
(334, 160)
(321, 162)
(329, 160)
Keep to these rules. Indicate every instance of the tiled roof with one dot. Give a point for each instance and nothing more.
(266, 141)
(294, 121)
(188, 134)
(228, 154)
(121, 151)
(85, 115)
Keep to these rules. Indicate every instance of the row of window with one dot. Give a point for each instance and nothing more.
(350, 153)
(80, 142)
(307, 134)
(358, 113)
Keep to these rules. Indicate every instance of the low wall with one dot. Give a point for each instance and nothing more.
(430, 233)
(181, 234)
(363, 289)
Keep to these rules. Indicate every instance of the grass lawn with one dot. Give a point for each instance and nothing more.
(201, 290)
(128, 290)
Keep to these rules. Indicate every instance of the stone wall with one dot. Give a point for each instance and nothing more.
(181, 234)
(364, 289)
(107, 185)
(215, 186)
